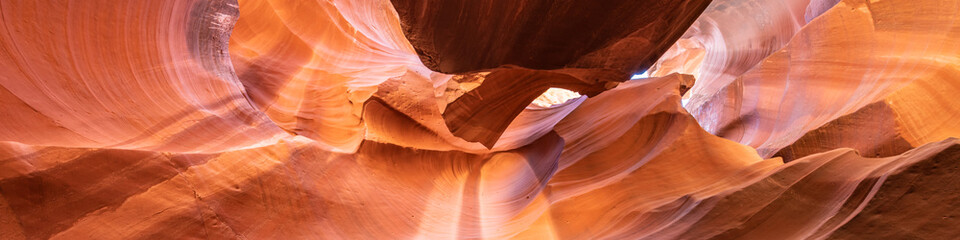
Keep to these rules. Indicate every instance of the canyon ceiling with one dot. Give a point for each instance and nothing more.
(470, 119)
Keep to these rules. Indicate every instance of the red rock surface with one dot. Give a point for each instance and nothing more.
(268, 119)
(466, 35)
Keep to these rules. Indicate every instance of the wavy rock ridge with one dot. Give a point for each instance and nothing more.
(340, 119)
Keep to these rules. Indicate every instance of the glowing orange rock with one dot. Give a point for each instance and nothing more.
(317, 120)
(105, 75)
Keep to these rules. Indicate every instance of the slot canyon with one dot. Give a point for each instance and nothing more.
(480, 119)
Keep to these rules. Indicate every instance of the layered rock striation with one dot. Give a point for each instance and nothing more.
(268, 119)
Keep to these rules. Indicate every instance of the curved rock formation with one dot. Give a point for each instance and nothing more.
(493, 119)
(75, 77)
(822, 75)
(463, 35)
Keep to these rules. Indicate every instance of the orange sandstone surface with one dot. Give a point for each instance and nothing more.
(480, 119)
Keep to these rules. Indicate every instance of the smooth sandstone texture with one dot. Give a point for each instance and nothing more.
(842, 64)
(732, 36)
(312, 81)
(466, 35)
(151, 75)
(268, 119)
